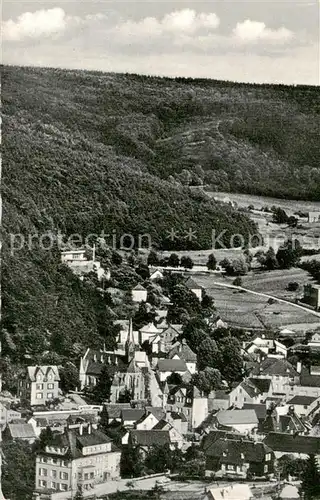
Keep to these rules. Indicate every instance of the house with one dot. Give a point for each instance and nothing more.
(147, 421)
(129, 416)
(80, 456)
(314, 341)
(145, 439)
(261, 412)
(167, 337)
(7, 415)
(93, 362)
(180, 399)
(263, 345)
(289, 492)
(80, 264)
(39, 384)
(244, 421)
(181, 350)
(238, 457)
(251, 390)
(139, 294)
(166, 367)
(312, 295)
(19, 430)
(304, 405)
(194, 287)
(282, 374)
(233, 492)
(156, 275)
(313, 217)
(148, 333)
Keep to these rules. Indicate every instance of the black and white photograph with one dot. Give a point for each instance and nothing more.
(160, 250)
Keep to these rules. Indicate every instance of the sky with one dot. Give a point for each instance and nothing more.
(263, 41)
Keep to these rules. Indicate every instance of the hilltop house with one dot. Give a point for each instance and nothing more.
(78, 262)
(39, 384)
(81, 456)
(313, 217)
(312, 295)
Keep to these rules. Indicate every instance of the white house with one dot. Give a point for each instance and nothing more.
(233, 492)
(166, 367)
(194, 287)
(139, 294)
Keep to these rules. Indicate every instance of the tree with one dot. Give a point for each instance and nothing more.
(131, 463)
(104, 419)
(143, 316)
(116, 258)
(212, 262)
(292, 221)
(153, 259)
(207, 354)
(186, 262)
(310, 479)
(79, 494)
(279, 216)
(237, 281)
(101, 391)
(239, 267)
(69, 377)
(45, 438)
(230, 359)
(271, 260)
(143, 271)
(207, 380)
(289, 254)
(293, 286)
(18, 470)
(174, 260)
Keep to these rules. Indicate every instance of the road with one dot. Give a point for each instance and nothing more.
(260, 294)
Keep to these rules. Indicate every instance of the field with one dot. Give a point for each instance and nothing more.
(290, 206)
(251, 311)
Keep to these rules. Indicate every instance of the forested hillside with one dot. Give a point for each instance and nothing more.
(85, 152)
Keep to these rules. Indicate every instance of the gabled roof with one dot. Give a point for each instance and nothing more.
(21, 431)
(235, 417)
(140, 288)
(234, 492)
(291, 443)
(44, 369)
(183, 351)
(273, 366)
(262, 384)
(172, 365)
(192, 285)
(150, 438)
(260, 409)
(213, 436)
(114, 410)
(150, 328)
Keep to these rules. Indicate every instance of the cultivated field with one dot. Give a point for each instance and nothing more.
(246, 310)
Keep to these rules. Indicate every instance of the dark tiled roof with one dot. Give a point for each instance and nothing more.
(94, 438)
(150, 438)
(114, 410)
(309, 380)
(184, 352)
(272, 366)
(132, 414)
(172, 365)
(291, 443)
(192, 285)
(302, 400)
(260, 409)
(262, 384)
(236, 451)
(21, 431)
(213, 436)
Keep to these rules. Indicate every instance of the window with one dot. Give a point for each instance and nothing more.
(43, 460)
(91, 475)
(265, 469)
(63, 487)
(55, 461)
(64, 463)
(63, 475)
(53, 485)
(54, 473)
(39, 395)
(50, 386)
(42, 483)
(230, 467)
(39, 387)
(50, 395)
(268, 457)
(42, 471)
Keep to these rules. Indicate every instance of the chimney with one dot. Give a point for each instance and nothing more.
(89, 428)
(299, 366)
(81, 429)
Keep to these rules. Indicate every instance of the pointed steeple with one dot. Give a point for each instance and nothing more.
(130, 344)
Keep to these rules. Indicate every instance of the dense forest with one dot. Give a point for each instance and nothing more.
(85, 152)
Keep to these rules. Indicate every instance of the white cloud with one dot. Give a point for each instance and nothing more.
(251, 31)
(35, 24)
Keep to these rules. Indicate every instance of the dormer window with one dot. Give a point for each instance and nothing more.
(242, 456)
(39, 377)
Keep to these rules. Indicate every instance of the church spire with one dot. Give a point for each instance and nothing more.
(130, 344)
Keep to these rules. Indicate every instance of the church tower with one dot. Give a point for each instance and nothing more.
(130, 343)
